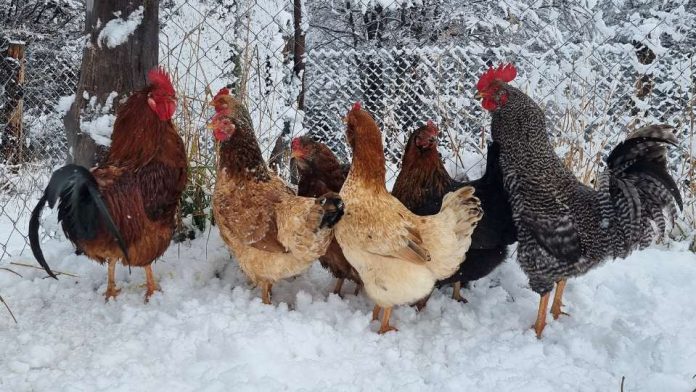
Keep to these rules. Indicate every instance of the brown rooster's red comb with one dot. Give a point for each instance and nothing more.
(159, 78)
(357, 106)
(504, 73)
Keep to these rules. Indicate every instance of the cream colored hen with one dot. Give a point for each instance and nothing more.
(398, 255)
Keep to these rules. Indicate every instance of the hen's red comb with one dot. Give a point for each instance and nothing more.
(221, 92)
(504, 73)
(296, 143)
(159, 78)
(431, 127)
(357, 106)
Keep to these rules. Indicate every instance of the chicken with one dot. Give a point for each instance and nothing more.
(320, 172)
(421, 185)
(397, 254)
(564, 227)
(124, 209)
(272, 233)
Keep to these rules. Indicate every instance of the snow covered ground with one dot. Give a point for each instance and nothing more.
(208, 331)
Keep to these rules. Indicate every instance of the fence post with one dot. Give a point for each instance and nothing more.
(11, 137)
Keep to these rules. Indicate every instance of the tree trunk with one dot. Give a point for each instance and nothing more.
(11, 138)
(120, 69)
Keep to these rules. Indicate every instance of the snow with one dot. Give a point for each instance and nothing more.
(64, 104)
(99, 128)
(97, 121)
(209, 331)
(117, 30)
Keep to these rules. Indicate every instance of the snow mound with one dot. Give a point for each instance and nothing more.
(117, 30)
(208, 330)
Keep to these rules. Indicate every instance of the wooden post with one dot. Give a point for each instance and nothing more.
(121, 69)
(11, 138)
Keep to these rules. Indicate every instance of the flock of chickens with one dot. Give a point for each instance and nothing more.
(431, 230)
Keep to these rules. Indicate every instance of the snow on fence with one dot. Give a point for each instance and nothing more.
(601, 73)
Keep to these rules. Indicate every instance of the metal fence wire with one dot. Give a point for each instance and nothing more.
(599, 69)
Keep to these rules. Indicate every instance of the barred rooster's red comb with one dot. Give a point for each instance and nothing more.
(504, 73)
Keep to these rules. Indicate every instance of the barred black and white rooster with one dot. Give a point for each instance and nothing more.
(564, 227)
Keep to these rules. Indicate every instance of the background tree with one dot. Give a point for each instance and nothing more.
(108, 69)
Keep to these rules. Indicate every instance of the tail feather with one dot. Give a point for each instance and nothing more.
(644, 143)
(467, 208)
(333, 207)
(640, 184)
(34, 242)
(81, 209)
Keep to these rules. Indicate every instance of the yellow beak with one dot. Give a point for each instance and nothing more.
(209, 126)
(478, 95)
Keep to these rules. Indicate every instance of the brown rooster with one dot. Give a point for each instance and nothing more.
(272, 233)
(399, 255)
(124, 209)
(424, 181)
(320, 172)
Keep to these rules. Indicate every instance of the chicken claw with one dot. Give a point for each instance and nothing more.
(266, 293)
(339, 286)
(111, 290)
(457, 293)
(541, 315)
(385, 327)
(150, 283)
(375, 313)
(558, 300)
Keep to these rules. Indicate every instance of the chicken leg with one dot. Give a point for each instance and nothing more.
(358, 287)
(457, 292)
(150, 283)
(385, 327)
(339, 286)
(266, 292)
(375, 312)
(541, 315)
(111, 290)
(558, 300)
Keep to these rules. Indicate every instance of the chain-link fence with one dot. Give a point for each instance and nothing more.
(600, 69)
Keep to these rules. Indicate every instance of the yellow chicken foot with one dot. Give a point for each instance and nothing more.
(339, 286)
(558, 300)
(111, 290)
(457, 293)
(541, 315)
(385, 327)
(266, 292)
(150, 283)
(375, 312)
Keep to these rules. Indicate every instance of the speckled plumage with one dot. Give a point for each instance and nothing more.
(564, 227)
(272, 233)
